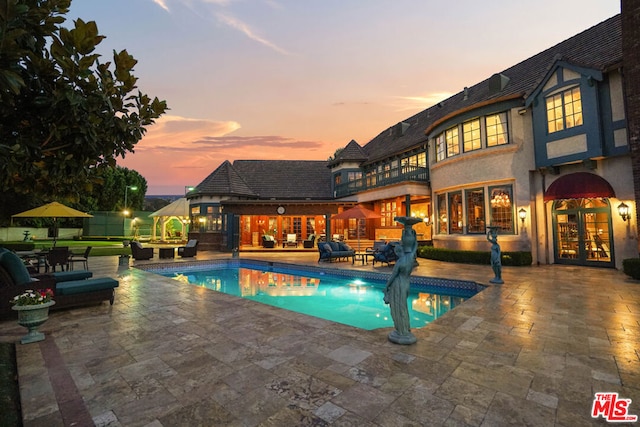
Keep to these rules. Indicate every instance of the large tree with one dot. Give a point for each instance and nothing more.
(63, 112)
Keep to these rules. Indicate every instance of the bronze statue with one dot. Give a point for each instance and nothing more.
(397, 290)
(496, 255)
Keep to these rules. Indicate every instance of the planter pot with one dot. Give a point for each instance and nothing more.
(31, 317)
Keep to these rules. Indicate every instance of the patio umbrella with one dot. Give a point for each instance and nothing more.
(357, 212)
(53, 210)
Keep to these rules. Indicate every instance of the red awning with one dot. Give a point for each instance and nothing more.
(577, 186)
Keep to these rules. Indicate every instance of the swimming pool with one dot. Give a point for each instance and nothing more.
(341, 298)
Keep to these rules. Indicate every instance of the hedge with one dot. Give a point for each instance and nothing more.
(473, 257)
(631, 267)
(21, 246)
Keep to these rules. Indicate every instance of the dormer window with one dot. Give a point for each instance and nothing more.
(564, 110)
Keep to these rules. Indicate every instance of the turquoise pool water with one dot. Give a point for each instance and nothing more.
(348, 300)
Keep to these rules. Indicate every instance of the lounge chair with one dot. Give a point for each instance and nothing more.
(70, 288)
(188, 250)
(268, 241)
(138, 252)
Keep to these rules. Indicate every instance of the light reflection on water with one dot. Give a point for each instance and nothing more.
(350, 301)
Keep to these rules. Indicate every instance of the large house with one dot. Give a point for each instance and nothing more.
(539, 150)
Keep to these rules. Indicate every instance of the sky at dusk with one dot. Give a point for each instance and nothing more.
(298, 79)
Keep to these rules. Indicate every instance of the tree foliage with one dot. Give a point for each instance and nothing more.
(65, 115)
(109, 192)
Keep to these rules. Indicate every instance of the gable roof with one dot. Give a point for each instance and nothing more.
(599, 47)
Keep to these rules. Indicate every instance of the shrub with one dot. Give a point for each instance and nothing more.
(631, 267)
(18, 246)
(473, 257)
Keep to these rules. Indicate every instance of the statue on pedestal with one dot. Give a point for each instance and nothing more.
(397, 290)
(496, 255)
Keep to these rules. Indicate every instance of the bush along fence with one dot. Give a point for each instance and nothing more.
(473, 257)
(631, 267)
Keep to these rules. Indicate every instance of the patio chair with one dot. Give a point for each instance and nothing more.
(84, 259)
(387, 254)
(309, 241)
(140, 253)
(188, 250)
(268, 241)
(58, 257)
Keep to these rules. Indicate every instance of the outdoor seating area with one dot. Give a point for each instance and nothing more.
(335, 251)
(70, 288)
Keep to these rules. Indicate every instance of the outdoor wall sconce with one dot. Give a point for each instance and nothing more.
(522, 214)
(623, 210)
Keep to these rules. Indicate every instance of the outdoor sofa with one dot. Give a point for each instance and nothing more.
(70, 288)
(338, 251)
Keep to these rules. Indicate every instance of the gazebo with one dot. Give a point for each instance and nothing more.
(177, 210)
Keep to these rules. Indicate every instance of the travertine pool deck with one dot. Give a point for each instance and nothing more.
(530, 352)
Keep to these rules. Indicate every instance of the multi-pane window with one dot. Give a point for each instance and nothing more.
(455, 212)
(471, 135)
(451, 136)
(476, 222)
(211, 220)
(416, 161)
(441, 148)
(442, 214)
(497, 129)
(564, 110)
(297, 226)
(372, 178)
(501, 208)
(387, 212)
(487, 131)
(476, 211)
(354, 176)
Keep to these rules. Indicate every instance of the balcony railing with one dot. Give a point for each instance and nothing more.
(381, 179)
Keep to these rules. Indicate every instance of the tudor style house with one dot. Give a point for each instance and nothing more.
(539, 150)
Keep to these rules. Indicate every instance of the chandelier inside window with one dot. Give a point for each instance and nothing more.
(500, 200)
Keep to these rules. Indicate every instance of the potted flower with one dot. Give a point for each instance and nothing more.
(33, 311)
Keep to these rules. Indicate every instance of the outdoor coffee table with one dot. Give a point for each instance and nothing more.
(167, 252)
(361, 256)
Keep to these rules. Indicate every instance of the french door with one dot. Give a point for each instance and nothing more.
(582, 232)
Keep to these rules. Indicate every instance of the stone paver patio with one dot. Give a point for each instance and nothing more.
(530, 352)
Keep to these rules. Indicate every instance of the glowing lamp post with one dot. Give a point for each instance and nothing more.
(126, 189)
